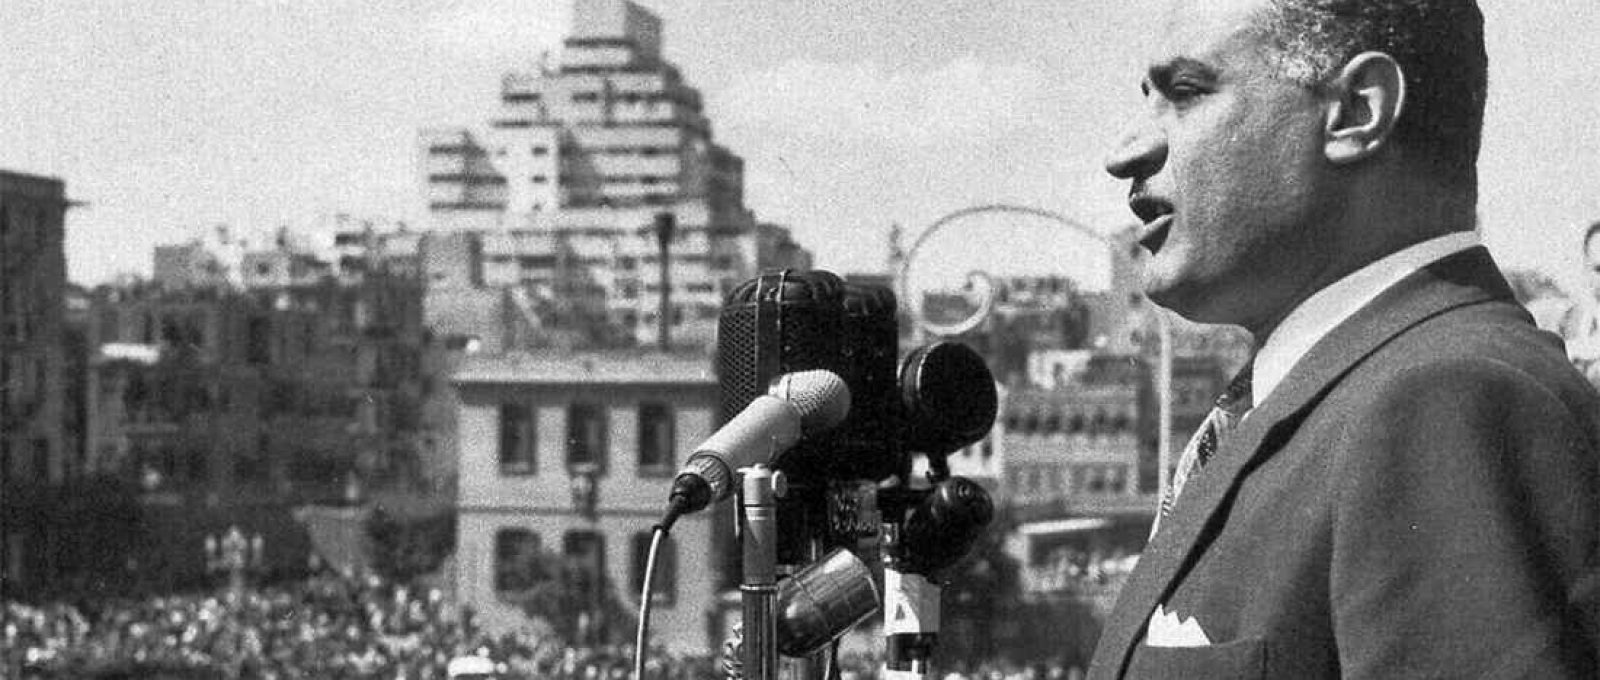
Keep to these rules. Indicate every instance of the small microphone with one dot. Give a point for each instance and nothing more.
(943, 528)
(795, 405)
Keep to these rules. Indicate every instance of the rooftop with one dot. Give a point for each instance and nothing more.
(614, 367)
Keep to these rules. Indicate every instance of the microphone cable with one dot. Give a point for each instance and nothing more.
(643, 636)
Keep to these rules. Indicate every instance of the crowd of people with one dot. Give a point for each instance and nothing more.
(329, 626)
(345, 626)
(1075, 570)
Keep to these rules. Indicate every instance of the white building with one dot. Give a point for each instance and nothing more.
(573, 455)
(572, 175)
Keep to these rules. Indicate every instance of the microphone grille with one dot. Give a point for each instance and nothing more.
(820, 396)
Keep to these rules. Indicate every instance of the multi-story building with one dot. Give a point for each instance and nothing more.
(33, 444)
(566, 193)
(569, 457)
(250, 401)
(1072, 440)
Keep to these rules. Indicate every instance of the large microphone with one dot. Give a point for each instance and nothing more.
(795, 405)
(785, 321)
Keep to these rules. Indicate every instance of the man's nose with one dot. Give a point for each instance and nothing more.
(1139, 152)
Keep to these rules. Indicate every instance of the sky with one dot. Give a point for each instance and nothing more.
(168, 117)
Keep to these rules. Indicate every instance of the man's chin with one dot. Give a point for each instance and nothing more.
(1178, 298)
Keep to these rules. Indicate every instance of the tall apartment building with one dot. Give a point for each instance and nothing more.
(561, 195)
(33, 450)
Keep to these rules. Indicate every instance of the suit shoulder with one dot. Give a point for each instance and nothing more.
(1488, 354)
(1492, 340)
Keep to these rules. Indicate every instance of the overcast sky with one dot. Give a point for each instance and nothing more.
(169, 116)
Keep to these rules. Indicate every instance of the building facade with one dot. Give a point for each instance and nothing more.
(564, 194)
(567, 459)
(242, 395)
(33, 444)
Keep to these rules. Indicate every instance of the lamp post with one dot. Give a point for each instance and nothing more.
(234, 554)
(666, 225)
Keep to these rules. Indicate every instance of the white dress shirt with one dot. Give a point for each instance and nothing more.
(1331, 306)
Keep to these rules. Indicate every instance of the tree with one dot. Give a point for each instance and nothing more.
(580, 605)
(404, 549)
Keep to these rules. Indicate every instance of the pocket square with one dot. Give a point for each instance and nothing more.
(1168, 630)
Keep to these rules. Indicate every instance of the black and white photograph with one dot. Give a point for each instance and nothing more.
(813, 340)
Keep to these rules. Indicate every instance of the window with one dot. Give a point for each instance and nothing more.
(518, 448)
(586, 436)
(585, 553)
(1097, 479)
(657, 436)
(1116, 480)
(517, 567)
(664, 590)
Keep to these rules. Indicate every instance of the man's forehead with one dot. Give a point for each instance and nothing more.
(1198, 30)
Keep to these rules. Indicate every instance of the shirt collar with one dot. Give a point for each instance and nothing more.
(1327, 308)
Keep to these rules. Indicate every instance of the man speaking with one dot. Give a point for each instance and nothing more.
(1404, 483)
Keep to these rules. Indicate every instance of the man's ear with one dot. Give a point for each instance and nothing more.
(1365, 102)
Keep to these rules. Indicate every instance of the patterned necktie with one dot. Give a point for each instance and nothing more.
(1229, 409)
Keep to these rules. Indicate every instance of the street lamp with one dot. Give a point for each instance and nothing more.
(234, 554)
(666, 225)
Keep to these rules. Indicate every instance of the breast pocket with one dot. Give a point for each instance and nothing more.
(1244, 658)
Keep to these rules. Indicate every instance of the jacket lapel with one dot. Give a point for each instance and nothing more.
(1465, 278)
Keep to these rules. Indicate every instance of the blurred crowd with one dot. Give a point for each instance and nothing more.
(329, 626)
(1069, 569)
(341, 626)
(869, 668)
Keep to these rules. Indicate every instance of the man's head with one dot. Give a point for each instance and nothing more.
(1437, 43)
(1284, 139)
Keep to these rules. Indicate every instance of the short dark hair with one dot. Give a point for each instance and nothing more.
(1589, 236)
(1439, 46)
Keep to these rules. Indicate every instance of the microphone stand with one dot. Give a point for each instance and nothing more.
(759, 587)
(911, 600)
(778, 521)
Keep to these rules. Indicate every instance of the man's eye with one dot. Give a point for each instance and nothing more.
(1184, 91)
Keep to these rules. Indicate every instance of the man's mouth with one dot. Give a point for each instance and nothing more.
(1154, 234)
(1156, 214)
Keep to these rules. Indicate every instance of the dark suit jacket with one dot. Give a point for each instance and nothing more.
(1418, 498)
